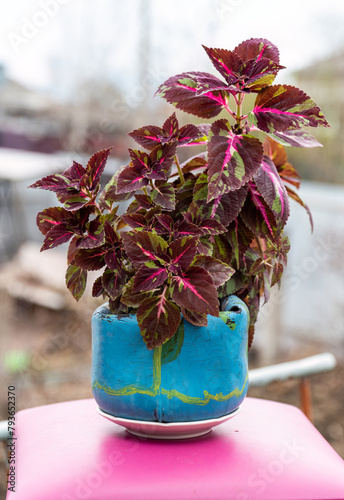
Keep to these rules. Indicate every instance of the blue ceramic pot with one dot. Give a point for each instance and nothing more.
(201, 373)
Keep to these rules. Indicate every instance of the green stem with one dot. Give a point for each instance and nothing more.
(181, 175)
(239, 116)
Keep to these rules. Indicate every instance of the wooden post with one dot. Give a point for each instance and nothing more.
(306, 398)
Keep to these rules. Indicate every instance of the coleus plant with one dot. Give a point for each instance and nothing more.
(199, 231)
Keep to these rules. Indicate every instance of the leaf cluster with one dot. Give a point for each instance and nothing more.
(195, 232)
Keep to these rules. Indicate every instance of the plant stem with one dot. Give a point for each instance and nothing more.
(181, 175)
(239, 116)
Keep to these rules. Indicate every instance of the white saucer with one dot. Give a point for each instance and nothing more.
(173, 430)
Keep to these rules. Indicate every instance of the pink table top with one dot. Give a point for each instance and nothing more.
(269, 451)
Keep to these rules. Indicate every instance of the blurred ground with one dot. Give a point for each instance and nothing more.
(48, 360)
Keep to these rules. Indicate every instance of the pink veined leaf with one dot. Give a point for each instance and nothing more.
(143, 246)
(56, 236)
(54, 182)
(151, 136)
(259, 74)
(183, 251)
(136, 221)
(207, 226)
(252, 65)
(95, 168)
(257, 48)
(190, 135)
(51, 217)
(272, 189)
(226, 62)
(147, 137)
(233, 159)
(240, 238)
(158, 319)
(171, 126)
(130, 180)
(90, 259)
(166, 222)
(75, 173)
(95, 235)
(257, 215)
(149, 277)
(282, 107)
(195, 290)
(187, 228)
(181, 91)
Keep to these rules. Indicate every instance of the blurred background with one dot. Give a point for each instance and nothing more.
(76, 76)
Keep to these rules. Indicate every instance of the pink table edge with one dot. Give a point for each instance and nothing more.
(67, 451)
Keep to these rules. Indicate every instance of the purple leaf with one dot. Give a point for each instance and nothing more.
(226, 62)
(187, 228)
(136, 221)
(218, 270)
(240, 238)
(90, 259)
(131, 298)
(281, 107)
(54, 182)
(252, 65)
(163, 195)
(73, 201)
(148, 136)
(50, 218)
(130, 180)
(181, 91)
(109, 195)
(165, 222)
(76, 279)
(256, 48)
(272, 189)
(194, 163)
(143, 246)
(151, 136)
(95, 168)
(97, 288)
(113, 282)
(195, 290)
(57, 236)
(222, 250)
(183, 251)
(158, 320)
(197, 319)
(224, 209)
(258, 216)
(94, 237)
(206, 225)
(231, 205)
(295, 138)
(233, 159)
(190, 135)
(149, 277)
